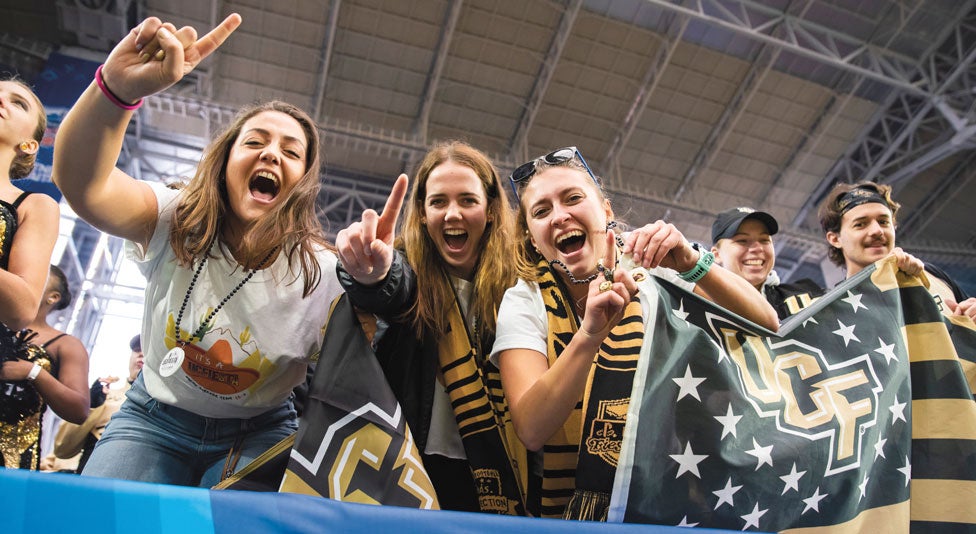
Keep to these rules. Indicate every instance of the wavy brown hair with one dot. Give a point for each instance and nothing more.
(23, 163)
(494, 273)
(831, 214)
(292, 224)
(527, 257)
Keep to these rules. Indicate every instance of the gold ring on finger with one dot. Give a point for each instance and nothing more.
(605, 285)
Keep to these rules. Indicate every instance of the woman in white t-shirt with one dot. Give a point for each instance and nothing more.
(575, 322)
(239, 273)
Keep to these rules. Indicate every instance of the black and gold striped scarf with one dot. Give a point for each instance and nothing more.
(580, 458)
(495, 454)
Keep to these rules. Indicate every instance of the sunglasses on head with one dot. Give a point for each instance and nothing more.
(525, 171)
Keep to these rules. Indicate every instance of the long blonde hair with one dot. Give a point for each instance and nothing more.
(494, 273)
(527, 256)
(292, 224)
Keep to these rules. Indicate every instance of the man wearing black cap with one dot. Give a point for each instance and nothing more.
(742, 243)
(859, 222)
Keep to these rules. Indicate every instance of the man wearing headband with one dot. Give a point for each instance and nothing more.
(859, 223)
(742, 243)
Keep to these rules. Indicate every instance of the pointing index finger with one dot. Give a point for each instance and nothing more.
(610, 254)
(216, 37)
(391, 211)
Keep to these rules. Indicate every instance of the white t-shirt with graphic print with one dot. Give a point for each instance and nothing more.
(260, 341)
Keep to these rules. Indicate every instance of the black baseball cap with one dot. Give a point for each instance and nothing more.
(727, 223)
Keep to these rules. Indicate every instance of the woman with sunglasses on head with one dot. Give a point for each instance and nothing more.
(239, 273)
(576, 308)
(438, 286)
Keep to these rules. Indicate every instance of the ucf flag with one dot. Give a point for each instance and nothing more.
(353, 443)
(857, 416)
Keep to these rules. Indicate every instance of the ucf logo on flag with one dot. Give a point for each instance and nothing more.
(354, 444)
(857, 415)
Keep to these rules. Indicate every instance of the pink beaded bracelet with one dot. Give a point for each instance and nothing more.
(111, 96)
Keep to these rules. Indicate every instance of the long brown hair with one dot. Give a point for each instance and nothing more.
(23, 163)
(292, 224)
(494, 273)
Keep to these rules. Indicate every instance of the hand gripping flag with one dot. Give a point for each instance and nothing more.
(858, 415)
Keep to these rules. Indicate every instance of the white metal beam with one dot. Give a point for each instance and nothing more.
(437, 68)
(676, 28)
(328, 43)
(518, 145)
(809, 39)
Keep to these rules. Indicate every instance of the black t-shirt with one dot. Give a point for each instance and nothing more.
(788, 299)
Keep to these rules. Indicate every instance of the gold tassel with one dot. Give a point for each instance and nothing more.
(588, 506)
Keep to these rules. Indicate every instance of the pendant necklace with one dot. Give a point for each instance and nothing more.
(174, 358)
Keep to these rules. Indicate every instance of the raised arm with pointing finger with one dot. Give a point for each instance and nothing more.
(239, 274)
(437, 285)
(90, 138)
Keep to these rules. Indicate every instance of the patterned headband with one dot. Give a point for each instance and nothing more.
(857, 196)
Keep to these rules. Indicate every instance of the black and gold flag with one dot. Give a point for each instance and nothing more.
(858, 415)
(353, 443)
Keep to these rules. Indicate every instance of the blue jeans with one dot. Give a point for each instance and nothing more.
(149, 441)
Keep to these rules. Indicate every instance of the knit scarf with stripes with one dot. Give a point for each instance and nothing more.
(579, 460)
(495, 454)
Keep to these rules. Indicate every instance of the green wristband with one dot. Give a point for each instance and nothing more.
(704, 263)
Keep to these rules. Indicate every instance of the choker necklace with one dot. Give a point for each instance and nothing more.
(174, 358)
(599, 266)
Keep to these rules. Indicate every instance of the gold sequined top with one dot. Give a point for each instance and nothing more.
(8, 225)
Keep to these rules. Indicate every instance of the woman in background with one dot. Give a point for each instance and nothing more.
(60, 383)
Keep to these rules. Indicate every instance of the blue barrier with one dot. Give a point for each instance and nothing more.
(40, 503)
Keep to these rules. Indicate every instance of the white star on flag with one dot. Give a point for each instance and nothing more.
(863, 486)
(688, 384)
(879, 448)
(854, 301)
(752, 518)
(764, 455)
(846, 332)
(688, 461)
(728, 421)
(680, 313)
(792, 480)
(725, 494)
(813, 502)
(810, 320)
(684, 523)
(906, 470)
(897, 412)
(888, 351)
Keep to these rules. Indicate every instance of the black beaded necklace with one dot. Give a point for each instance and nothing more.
(186, 298)
(599, 267)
